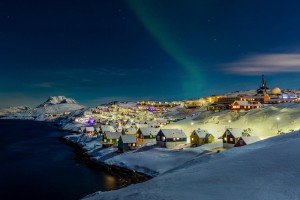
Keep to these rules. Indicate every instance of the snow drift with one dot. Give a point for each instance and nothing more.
(266, 170)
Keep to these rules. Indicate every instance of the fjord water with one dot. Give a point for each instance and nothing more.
(35, 164)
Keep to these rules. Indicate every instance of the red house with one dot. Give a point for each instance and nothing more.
(246, 140)
(244, 105)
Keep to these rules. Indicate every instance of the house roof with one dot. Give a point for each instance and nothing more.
(171, 133)
(250, 139)
(129, 131)
(236, 132)
(107, 128)
(247, 103)
(148, 131)
(128, 139)
(112, 135)
(89, 129)
(202, 133)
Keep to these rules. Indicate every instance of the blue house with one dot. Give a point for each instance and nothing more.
(126, 142)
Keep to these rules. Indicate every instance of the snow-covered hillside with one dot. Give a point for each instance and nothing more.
(263, 122)
(54, 105)
(266, 170)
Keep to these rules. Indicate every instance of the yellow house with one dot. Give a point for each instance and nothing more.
(199, 137)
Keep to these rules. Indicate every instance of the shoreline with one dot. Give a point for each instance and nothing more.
(126, 176)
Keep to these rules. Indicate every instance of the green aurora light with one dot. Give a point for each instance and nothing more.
(193, 82)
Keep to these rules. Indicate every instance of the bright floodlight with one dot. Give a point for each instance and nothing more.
(278, 118)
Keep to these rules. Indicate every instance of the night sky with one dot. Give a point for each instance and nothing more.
(101, 51)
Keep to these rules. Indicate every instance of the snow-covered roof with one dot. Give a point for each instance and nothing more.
(107, 128)
(202, 133)
(236, 132)
(89, 129)
(148, 131)
(250, 139)
(112, 135)
(128, 139)
(247, 103)
(129, 131)
(171, 133)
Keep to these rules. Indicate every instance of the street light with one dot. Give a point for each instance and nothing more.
(229, 121)
(192, 123)
(277, 118)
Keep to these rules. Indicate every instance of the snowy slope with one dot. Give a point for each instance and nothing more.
(263, 122)
(266, 170)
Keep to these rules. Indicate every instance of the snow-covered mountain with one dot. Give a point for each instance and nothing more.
(267, 170)
(53, 100)
(54, 105)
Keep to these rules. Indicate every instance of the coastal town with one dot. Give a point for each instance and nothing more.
(150, 138)
(130, 126)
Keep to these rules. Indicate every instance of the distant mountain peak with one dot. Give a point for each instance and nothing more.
(53, 100)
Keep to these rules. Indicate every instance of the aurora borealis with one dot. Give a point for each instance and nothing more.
(100, 51)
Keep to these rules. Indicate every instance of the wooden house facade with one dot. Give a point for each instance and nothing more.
(126, 143)
(110, 138)
(231, 136)
(200, 137)
(146, 135)
(242, 141)
(244, 105)
(170, 138)
(89, 130)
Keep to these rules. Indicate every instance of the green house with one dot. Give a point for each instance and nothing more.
(110, 138)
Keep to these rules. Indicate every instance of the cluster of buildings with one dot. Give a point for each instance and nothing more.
(127, 127)
(246, 102)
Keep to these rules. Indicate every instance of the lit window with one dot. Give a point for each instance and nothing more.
(192, 139)
(231, 139)
(104, 140)
(133, 145)
(163, 138)
(174, 139)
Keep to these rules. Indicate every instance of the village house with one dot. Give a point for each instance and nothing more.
(200, 137)
(110, 138)
(244, 105)
(231, 136)
(89, 130)
(146, 135)
(170, 138)
(129, 131)
(105, 128)
(242, 141)
(216, 107)
(126, 142)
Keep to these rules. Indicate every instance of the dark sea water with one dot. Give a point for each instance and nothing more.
(35, 164)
